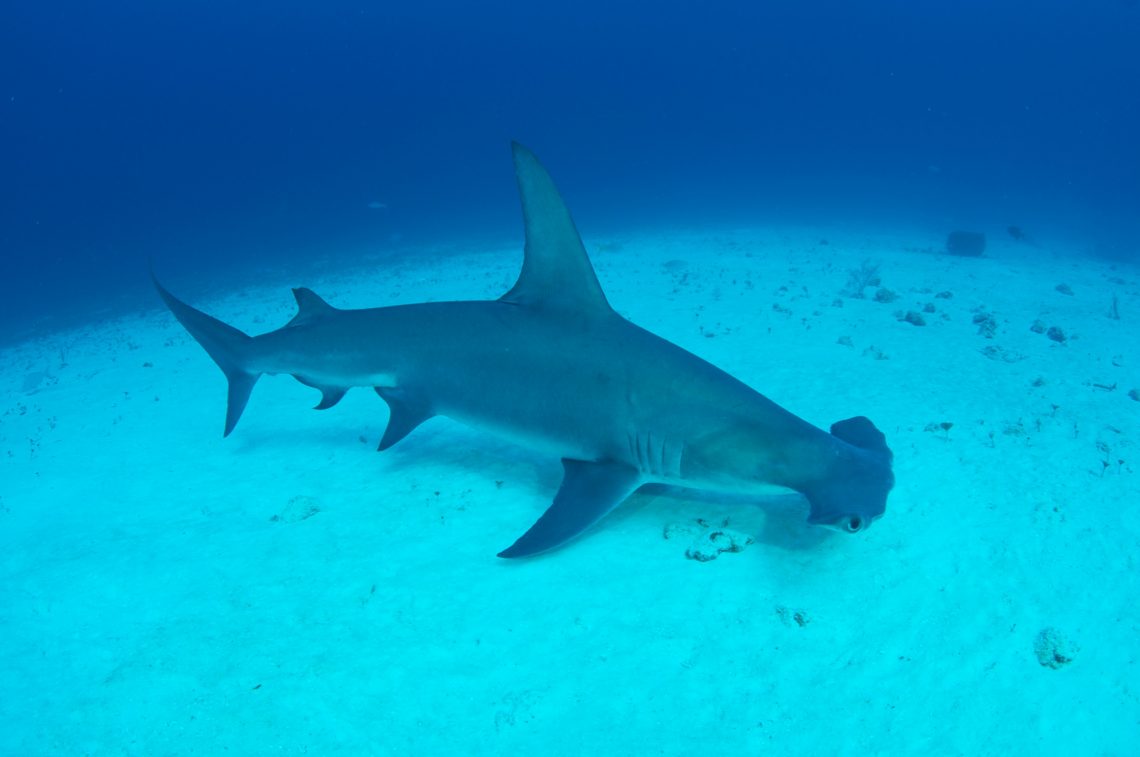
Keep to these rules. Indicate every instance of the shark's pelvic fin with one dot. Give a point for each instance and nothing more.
(556, 272)
(228, 347)
(589, 491)
(406, 411)
(310, 306)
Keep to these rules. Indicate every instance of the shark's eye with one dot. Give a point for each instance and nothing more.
(854, 524)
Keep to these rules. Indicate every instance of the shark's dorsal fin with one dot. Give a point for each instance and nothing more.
(309, 306)
(556, 272)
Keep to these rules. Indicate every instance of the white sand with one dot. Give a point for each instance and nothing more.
(152, 604)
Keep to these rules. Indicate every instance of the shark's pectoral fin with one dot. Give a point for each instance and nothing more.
(589, 491)
(405, 412)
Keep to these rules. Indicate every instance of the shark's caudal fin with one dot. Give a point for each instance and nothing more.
(556, 272)
(228, 347)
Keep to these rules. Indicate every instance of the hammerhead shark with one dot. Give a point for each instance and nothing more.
(552, 366)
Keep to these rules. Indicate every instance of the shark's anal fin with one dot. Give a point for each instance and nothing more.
(405, 412)
(589, 491)
(330, 395)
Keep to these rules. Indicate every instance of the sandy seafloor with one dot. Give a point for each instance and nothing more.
(289, 590)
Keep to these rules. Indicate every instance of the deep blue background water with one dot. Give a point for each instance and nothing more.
(219, 138)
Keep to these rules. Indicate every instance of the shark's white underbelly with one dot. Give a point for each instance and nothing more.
(535, 439)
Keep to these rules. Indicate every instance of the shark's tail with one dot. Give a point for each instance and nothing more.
(228, 346)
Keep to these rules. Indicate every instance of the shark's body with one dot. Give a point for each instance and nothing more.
(552, 366)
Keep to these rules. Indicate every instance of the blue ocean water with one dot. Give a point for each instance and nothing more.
(768, 185)
(211, 137)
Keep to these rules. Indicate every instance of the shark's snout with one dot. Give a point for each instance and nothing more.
(855, 492)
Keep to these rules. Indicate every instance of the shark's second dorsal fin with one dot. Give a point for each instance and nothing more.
(556, 272)
(310, 306)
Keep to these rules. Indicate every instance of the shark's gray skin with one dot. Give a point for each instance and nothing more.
(552, 366)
